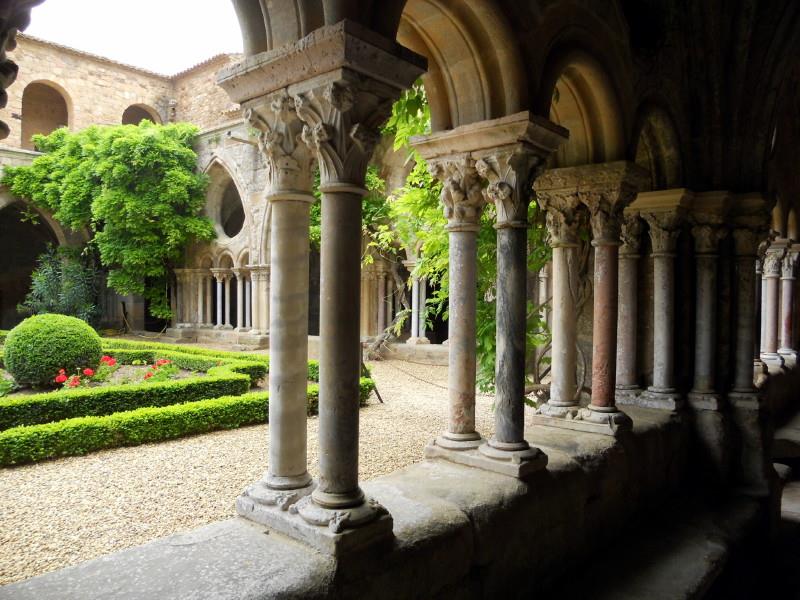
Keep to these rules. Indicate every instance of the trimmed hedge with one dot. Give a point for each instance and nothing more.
(73, 437)
(39, 346)
(231, 378)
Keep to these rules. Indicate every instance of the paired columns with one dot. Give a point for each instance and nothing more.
(418, 312)
(330, 109)
(604, 190)
(507, 154)
(628, 311)
(788, 276)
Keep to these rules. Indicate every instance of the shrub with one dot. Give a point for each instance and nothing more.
(38, 347)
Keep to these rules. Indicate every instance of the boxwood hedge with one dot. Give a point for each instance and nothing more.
(82, 435)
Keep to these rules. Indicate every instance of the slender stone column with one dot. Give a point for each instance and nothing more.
(289, 195)
(627, 384)
(706, 243)
(239, 274)
(423, 313)
(220, 279)
(772, 272)
(248, 303)
(788, 269)
(763, 304)
(664, 212)
(381, 302)
(208, 284)
(180, 307)
(745, 239)
(198, 281)
(414, 307)
(227, 278)
(259, 274)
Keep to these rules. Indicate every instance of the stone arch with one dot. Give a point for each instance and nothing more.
(135, 113)
(225, 260)
(243, 259)
(583, 98)
(205, 261)
(225, 201)
(657, 147)
(46, 106)
(778, 223)
(475, 71)
(792, 228)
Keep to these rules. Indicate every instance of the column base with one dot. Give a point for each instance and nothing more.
(659, 398)
(626, 394)
(605, 421)
(415, 341)
(557, 411)
(519, 463)
(704, 400)
(334, 531)
(459, 441)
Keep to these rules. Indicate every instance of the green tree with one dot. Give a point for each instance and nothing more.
(134, 188)
(65, 283)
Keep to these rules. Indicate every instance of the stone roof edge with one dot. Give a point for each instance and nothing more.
(209, 61)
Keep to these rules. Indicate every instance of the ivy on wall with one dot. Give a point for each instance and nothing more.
(133, 188)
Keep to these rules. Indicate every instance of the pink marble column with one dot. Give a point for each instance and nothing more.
(788, 266)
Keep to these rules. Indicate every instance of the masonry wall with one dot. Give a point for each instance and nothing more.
(199, 99)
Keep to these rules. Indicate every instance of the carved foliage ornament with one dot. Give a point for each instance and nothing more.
(789, 265)
(510, 174)
(341, 126)
(707, 238)
(563, 218)
(772, 263)
(462, 194)
(664, 231)
(631, 232)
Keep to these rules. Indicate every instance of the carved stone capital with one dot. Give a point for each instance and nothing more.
(289, 160)
(631, 233)
(510, 173)
(789, 265)
(564, 218)
(342, 120)
(462, 194)
(746, 241)
(773, 261)
(664, 230)
(707, 238)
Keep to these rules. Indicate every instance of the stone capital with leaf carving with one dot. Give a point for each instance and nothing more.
(631, 234)
(789, 265)
(510, 172)
(746, 240)
(564, 217)
(289, 160)
(664, 231)
(707, 238)
(462, 193)
(773, 262)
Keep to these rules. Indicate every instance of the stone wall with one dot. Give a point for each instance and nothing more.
(198, 98)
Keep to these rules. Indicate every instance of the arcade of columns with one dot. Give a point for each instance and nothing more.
(323, 101)
(199, 291)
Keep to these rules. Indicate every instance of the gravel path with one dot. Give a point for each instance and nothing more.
(58, 513)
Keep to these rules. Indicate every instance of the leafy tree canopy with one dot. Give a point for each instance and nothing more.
(133, 188)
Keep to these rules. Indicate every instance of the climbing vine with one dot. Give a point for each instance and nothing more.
(133, 188)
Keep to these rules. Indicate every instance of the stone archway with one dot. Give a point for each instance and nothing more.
(657, 148)
(45, 108)
(21, 243)
(136, 113)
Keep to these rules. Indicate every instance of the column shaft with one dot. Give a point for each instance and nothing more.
(289, 265)
(340, 350)
(381, 302)
(627, 320)
(414, 307)
(208, 285)
(239, 301)
(787, 310)
(248, 304)
(563, 387)
(604, 332)
(745, 334)
(200, 298)
(771, 319)
(227, 301)
(663, 322)
(509, 409)
(422, 311)
(219, 302)
(705, 323)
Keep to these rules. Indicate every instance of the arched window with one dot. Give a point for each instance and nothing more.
(44, 109)
(136, 113)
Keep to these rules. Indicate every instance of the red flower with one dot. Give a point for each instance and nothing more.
(74, 381)
(61, 378)
(162, 361)
(153, 366)
(88, 372)
(107, 360)
(61, 371)
(148, 375)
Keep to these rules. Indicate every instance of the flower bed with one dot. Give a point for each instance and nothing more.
(76, 421)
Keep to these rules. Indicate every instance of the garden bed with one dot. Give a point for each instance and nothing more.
(214, 395)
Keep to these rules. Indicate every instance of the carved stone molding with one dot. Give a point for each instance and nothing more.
(631, 234)
(564, 218)
(510, 174)
(289, 160)
(462, 194)
(664, 231)
(707, 238)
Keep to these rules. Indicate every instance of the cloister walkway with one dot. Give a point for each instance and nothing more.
(65, 511)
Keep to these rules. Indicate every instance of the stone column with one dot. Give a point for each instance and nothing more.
(772, 273)
(259, 274)
(414, 307)
(248, 303)
(199, 279)
(381, 302)
(706, 243)
(239, 274)
(180, 306)
(745, 239)
(220, 279)
(788, 268)
(423, 312)
(759, 368)
(208, 284)
(227, 278)
(289, 195)
(664, 212)
(627, 384)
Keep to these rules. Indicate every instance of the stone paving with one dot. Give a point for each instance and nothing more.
(58, 513)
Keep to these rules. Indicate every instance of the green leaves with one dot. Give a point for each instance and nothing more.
(133, 187)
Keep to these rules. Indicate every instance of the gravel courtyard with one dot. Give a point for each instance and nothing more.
(58, 513)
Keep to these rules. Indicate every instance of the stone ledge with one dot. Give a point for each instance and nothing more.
(458, 531)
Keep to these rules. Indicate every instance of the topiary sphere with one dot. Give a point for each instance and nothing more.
(38, 347)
